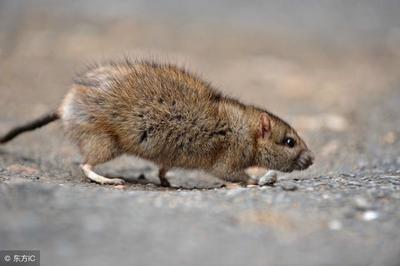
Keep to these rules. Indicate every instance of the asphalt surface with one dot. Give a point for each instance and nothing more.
(336, 81)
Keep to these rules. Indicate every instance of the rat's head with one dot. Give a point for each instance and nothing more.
(279, 147)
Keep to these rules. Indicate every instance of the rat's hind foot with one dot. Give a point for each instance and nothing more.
(88, 170)
(163, 180)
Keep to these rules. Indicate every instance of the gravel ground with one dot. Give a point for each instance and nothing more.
(340, 90)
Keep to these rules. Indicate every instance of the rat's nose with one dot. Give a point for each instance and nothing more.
(305, 159)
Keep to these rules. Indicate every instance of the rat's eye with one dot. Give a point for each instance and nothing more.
(290, 142)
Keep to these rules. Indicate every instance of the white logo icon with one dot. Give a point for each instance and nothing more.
(7, 258)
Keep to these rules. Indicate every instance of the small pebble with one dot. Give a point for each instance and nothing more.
(348, 175)
(268, 179)
(120, 186)
(361, 203)
(395, 182)
(335, 225)
(288, 186)
(370, 215)
(354, 183)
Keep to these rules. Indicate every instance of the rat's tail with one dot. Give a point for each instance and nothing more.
(41, 121)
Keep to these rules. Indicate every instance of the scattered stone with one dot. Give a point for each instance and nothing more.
(288, 186)
(120, 186)
(361, 203)
(347, 175)
(395, 180)
(22, 170)
(335, 225)
(354, 183)
(268, 179)
(370, 215)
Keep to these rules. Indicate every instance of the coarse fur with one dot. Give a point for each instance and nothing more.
(171, 117)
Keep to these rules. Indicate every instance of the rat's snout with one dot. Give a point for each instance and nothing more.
(305, 159)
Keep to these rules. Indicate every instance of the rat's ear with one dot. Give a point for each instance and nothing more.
(264, 127)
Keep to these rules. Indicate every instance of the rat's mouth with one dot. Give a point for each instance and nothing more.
(304, 160)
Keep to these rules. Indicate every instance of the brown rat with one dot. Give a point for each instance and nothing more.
(164, 114)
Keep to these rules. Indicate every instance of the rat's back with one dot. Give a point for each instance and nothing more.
(158, 112)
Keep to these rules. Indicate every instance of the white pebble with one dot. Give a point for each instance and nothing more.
(370, 215)
(361, 203)
(335, 225)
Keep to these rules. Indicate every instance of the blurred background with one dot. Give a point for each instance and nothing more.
(330, 68)
(325, 66)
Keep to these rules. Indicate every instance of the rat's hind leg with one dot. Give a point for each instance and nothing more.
(163, 180)
(98, 149)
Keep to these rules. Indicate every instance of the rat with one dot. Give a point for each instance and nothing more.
(167, 115)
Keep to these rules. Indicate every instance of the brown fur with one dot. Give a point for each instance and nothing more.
(166, 115)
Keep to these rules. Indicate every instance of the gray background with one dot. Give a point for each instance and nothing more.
(330, 68)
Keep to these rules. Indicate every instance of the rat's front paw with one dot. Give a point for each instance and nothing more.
(269, 179)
